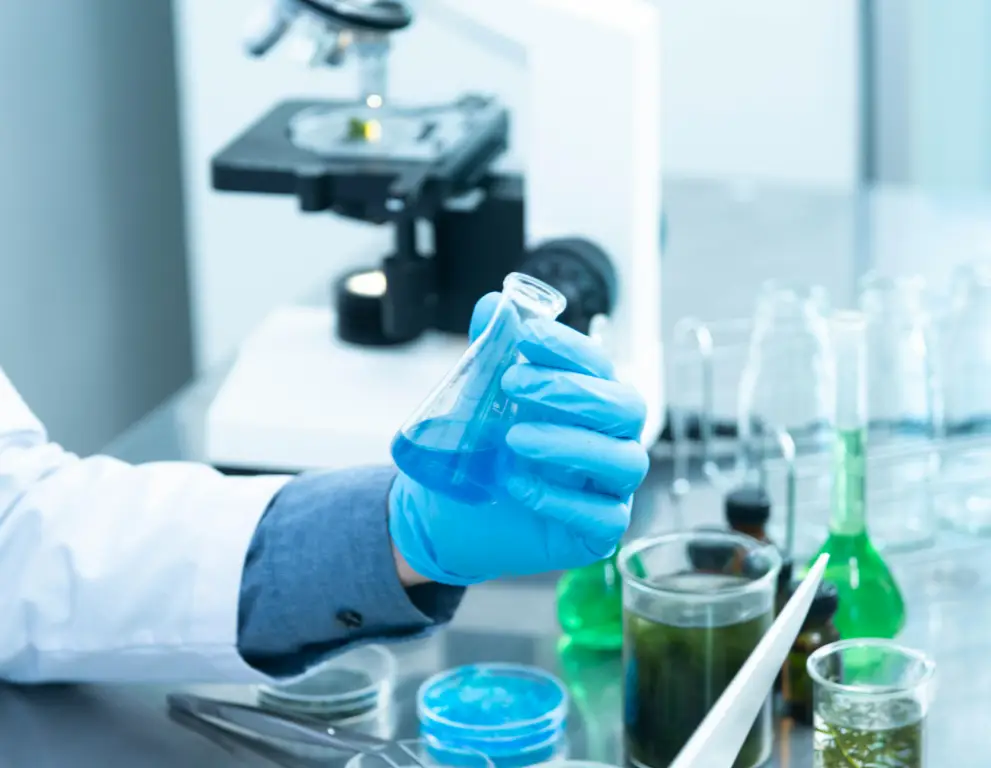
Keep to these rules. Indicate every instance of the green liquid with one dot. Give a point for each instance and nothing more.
(839, 746)
(675, 674)
(590, 606)
(871, 604)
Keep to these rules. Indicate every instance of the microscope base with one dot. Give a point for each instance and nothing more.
(298, 398)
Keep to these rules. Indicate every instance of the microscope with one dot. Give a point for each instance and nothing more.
(328, 387)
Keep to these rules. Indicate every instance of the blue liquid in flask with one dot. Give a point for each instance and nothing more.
(431, 456)
(455, 444)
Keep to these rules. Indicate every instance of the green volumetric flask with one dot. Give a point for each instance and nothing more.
(590, 606)
(870, 603)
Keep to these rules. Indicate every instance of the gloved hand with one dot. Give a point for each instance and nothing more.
(567, 503)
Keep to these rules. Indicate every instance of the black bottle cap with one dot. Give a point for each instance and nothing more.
(711, 557)
(748, 505)
(785, 576)
(824, 604)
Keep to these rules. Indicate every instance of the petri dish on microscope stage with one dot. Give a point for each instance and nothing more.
(348, 686)
(514, 714)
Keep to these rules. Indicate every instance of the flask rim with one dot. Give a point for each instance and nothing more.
(534, 295)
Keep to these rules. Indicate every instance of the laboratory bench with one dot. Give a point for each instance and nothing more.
(736, 235)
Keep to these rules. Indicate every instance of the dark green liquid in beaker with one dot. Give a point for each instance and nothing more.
(674, 675)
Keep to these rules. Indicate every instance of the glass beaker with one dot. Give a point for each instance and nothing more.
(696, 604)
(787, 381)
(903, 410)
(965, 498)
(453, 443)
(871, 699)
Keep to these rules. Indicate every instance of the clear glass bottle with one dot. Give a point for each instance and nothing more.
(904, 409)
(871, 700)
(965, 498)
(817, 631)
(453, 444)
(870, 602)
(787, 379)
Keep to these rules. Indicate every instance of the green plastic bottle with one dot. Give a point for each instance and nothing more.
(870, 602)
(590, 606)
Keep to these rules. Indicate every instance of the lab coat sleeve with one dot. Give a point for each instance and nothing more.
(118, 572)
(320, 575)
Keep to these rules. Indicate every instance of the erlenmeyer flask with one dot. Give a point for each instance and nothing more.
(453, 443)
(787, 381)
(904, 412)
(966, 498)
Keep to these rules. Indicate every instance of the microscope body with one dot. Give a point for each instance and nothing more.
(584, 216)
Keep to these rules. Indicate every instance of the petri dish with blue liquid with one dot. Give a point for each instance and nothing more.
(455, 442)
(514, 714)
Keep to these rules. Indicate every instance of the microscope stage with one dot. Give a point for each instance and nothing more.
(375, 165)
(298, 398)
(360, 133)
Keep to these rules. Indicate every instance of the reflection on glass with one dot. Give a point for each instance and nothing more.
(421, 753)
(965, 498)
(904, 415)
(594, 679)
(871, 701)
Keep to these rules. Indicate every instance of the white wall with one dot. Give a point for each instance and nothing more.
(763, 88)
(94, 324)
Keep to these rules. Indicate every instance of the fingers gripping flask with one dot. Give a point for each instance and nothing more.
(453, 443)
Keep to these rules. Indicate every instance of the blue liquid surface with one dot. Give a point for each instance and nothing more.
(432, 456)
(494, 700)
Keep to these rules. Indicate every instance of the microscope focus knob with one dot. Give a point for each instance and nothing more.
(581, 271)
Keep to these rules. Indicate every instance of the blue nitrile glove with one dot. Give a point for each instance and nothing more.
(568, 500)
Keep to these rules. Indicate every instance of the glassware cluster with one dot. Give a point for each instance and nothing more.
(688, 608)
(928, 411)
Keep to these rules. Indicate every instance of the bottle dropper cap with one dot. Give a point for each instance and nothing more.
(748, 505)
(825, 603)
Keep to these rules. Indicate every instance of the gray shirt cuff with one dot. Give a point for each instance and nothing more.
(320, 575)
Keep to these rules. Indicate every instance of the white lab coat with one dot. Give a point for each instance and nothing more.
(113, 572)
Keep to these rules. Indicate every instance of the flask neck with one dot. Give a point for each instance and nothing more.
(849, 507)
